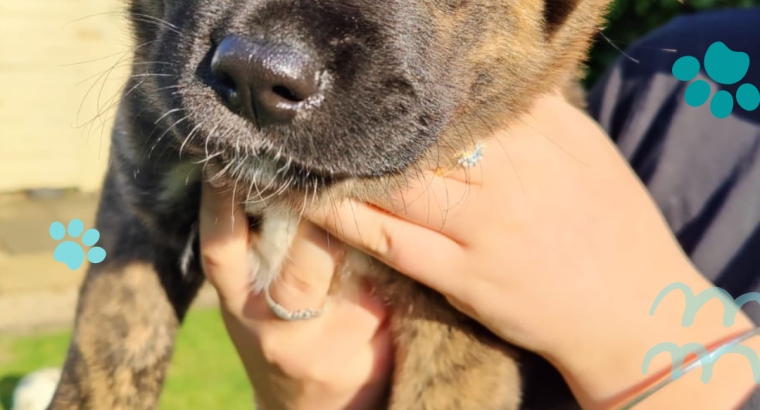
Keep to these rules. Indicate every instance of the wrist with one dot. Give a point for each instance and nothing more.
(603, 365)
(731, 382)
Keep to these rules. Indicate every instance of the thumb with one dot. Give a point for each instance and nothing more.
(226, 255)
(225, 244)
(308, 270)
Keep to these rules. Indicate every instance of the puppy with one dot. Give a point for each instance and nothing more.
(308, 100)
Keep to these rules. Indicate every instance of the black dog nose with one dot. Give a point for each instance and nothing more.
(266, 82)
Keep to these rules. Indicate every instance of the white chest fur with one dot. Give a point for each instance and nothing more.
(270, 250)
(277, 232)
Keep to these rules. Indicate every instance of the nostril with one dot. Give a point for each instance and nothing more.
(262, 80)
(225, 81)
(285, 93)
(228, 90)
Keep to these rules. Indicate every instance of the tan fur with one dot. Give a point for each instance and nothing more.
(114, 321)
(443, 360)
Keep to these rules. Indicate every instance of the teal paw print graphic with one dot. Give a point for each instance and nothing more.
(725, 67)
(70, 252)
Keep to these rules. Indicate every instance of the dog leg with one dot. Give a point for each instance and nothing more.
(446, 361)
(130, 307)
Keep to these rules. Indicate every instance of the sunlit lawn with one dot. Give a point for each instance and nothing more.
(205, 372)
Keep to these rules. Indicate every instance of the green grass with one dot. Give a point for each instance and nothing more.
(205, 371)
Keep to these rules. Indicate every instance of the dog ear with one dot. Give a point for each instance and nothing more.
(556, 12)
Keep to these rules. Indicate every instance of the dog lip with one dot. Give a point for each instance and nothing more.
(293, 167)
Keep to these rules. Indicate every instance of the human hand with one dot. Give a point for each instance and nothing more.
(341, 360)
(552, 243)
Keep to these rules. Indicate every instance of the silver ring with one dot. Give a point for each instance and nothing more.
(292, 315)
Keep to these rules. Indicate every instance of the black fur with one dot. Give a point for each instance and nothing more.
(396, 75)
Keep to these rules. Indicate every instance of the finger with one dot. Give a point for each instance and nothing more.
(436, 203)
(308, 270)
(224, 240)
(423, 254)
(454, 201)
(348, 346)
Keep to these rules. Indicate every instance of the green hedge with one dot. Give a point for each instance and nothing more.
(632, 19)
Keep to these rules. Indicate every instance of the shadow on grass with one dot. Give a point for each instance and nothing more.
(7, 385)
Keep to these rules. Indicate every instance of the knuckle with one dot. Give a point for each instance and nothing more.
(294, 280)
(275, 352)
(320, 373)
(270, 349)
(381, 242)
(211, 261)
(288, 361)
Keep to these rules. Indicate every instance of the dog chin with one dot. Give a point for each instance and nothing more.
(264, 184)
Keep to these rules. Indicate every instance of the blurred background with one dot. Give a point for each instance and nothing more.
(62, 66)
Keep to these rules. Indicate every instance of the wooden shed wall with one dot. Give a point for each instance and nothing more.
(53, 133)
